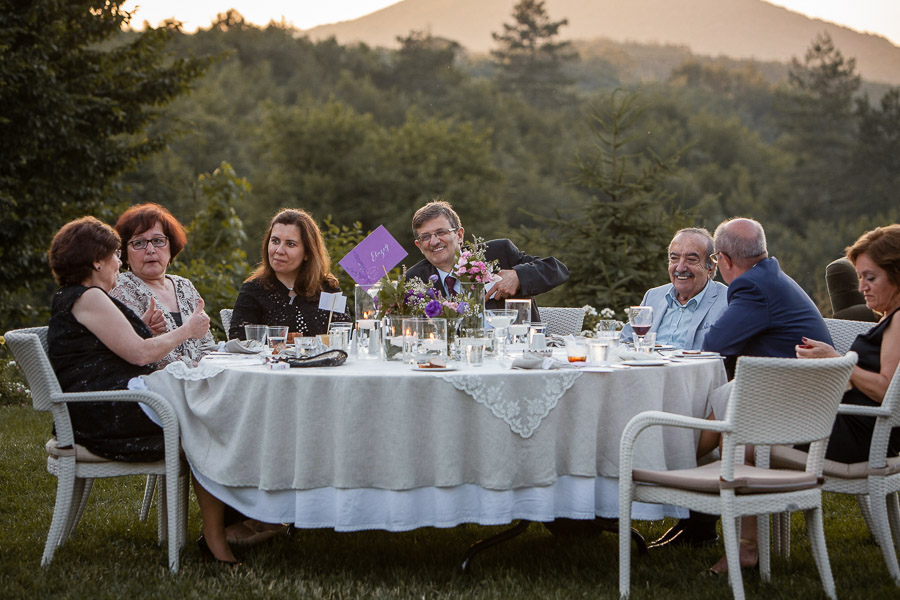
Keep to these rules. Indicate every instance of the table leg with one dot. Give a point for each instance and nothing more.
(486, 543)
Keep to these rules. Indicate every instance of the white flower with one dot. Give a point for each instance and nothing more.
(607, 313)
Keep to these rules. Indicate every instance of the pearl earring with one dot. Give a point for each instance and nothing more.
(98, 267)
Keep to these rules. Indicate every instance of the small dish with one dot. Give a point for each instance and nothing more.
(689, 354)
(420, 369)
(645, 363)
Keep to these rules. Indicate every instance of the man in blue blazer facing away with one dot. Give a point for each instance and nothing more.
(685, 308)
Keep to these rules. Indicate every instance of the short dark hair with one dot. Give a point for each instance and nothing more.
(434, 209)
(882, 245)
(141, 217)
(315, 270)
(77, 246)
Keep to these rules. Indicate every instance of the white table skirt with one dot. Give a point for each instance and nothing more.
(367, 508)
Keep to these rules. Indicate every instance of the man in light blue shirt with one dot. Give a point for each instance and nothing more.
(685, 308)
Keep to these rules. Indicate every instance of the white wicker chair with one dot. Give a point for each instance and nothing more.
(562, 320)
(76, 468)
(875, 483)
(843, 332)
(225, 315)
(774, 401)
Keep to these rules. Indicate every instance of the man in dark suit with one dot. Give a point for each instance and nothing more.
(439, 236)
(768, 314)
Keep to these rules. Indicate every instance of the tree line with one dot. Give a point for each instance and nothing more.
(567, 152)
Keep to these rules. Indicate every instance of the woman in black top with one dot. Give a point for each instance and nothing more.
(285, 288)
(876, 256)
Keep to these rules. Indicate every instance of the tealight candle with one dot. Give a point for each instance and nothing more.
(366, 323)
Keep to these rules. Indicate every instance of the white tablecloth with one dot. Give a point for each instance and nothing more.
(375, 445)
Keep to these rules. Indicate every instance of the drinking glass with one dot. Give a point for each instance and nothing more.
(576, 349)
(276, 334)
(518, 329)
(641, 319)
(597, 350)
(368, 335)
(339, 335)
(537, 336)
(500, 319)
(255, 334)
(606, 328)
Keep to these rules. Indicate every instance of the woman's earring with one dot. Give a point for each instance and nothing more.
(98, 267)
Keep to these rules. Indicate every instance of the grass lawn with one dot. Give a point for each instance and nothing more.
(113, 555)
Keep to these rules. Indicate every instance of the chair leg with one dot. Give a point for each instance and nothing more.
(65, 488)
(170, 506)
(881, 529)
(183, 495)
(731, 532)
(893, 508)
(80, 494)
(624, 543)
(863, 501)
(162, 528)
(762, 546)
(816, 531)
(149, 488)
(781, 538)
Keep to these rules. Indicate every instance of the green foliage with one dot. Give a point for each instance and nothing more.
(528, 60)
(215, 261)
(614, 243)
(76, 101)
(13, 388)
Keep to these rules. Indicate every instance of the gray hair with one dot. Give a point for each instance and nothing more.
(702, 232)
(741, 239)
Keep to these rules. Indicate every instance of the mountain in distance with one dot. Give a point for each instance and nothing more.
(741, 29)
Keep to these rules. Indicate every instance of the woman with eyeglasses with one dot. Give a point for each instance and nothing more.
(152, 239)
(294, 270)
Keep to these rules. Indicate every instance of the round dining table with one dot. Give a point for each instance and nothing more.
(384, 445)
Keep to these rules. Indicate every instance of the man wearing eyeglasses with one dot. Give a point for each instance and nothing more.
(439, 234)
(685, 308)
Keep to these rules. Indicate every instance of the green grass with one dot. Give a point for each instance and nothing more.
(113, 555)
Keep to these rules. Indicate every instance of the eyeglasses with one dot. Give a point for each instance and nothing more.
(441, 233)
(715, 256)
(691, 261)
(118, 254)
(158, 242)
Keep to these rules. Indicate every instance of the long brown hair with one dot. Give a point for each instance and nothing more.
(315, 270)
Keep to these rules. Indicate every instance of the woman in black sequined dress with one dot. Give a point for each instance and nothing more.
(285, 288)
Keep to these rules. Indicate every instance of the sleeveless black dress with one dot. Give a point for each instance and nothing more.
(115, 430)
(852, 435)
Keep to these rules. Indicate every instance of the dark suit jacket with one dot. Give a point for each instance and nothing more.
(767, 315)
(536, 275)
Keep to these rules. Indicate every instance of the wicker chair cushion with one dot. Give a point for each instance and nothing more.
(747, 479)
(82, 454)
(784, 457)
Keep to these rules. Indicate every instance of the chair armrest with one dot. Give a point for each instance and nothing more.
(161, 406)
(863, 411)
(653, 418)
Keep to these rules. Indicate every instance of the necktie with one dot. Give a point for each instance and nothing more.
(450, 285)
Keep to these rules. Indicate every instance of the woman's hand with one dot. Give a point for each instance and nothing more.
(154, 319)
(815, 349)
(198, 323)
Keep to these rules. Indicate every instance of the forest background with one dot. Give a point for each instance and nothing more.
(594, 152)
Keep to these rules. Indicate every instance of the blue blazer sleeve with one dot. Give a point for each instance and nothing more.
(747, 315)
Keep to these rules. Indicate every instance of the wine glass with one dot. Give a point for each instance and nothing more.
(641, 319)
(500, 319)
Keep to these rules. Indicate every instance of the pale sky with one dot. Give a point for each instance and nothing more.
(871, 16)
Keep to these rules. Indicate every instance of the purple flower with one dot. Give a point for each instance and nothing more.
(433, 278)
(461, 308)
(432, 293)
(433, 308)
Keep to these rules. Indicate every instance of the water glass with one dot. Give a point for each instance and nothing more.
(339, 336)
(606, 328)
(256, 334)
(306, 345)
(474, 351)
(645, 344)
(537, 336)
(598, 349)
(576, 349)
(368, 335)
(277, 336)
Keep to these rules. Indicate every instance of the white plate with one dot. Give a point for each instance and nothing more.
(645, 363)
(596, 369)
(663, 347)
(697, 355)
(418, 369)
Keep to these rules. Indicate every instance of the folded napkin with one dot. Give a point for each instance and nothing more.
(529, 362)
(213, 347)
(243, 347)
(620, 353)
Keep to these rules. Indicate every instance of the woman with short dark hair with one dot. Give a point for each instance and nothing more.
(153, 238)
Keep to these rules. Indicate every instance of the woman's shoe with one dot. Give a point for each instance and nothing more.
(208, 555)
(750, 544)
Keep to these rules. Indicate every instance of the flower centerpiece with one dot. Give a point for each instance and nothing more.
(474, 271)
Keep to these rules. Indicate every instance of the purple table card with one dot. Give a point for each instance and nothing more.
(372, 257)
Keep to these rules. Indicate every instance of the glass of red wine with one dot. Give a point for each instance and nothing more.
(640, 318)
